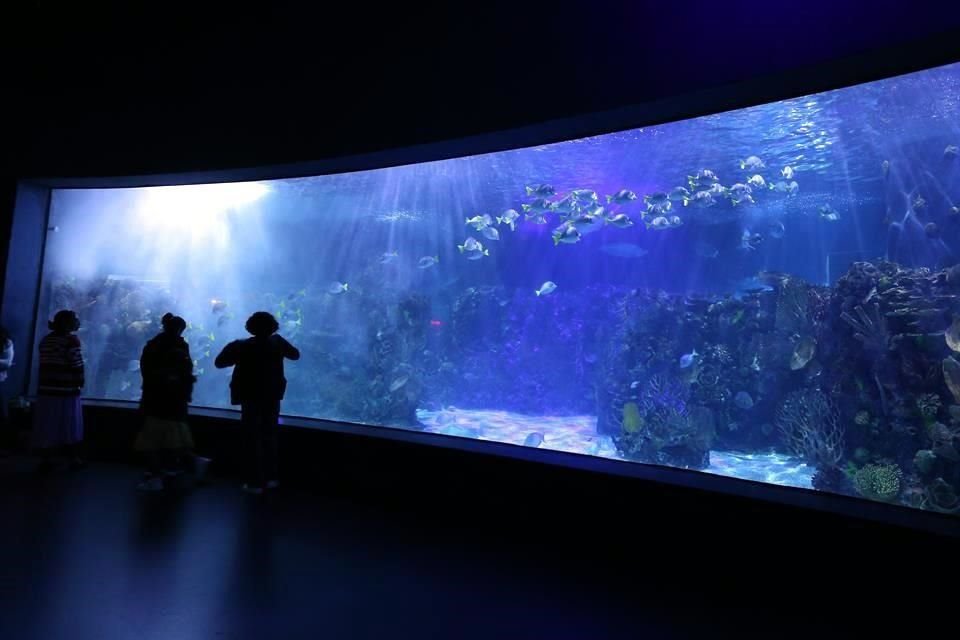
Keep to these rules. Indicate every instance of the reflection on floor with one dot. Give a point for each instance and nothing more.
(577, 434)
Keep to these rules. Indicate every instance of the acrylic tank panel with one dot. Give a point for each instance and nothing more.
(765, 293)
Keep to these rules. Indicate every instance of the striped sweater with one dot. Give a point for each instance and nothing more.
(61, 365)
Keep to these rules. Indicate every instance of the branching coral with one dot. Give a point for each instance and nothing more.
(665, 395)
(792, 306)
(810, 426)
(869, 328)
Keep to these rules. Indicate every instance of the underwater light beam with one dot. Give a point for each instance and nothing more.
(197, 207)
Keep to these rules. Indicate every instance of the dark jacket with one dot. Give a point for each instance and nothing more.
(167, 371)
(258, 368)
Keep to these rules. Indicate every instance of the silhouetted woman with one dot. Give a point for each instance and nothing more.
(57, 413)
(167, 370)
(258, 385)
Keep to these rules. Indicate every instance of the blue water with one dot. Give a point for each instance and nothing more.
(420, 327)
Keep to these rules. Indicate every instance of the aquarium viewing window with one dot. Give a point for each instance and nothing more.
(767, 293)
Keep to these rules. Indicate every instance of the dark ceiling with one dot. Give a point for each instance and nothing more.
(110, 91)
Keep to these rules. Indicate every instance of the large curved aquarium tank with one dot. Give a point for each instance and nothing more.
(771, 293)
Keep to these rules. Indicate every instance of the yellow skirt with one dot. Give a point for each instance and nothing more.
(159, 435)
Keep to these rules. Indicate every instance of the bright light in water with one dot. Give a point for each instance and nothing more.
(199, 210)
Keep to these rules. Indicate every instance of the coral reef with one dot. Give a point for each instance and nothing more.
(941, 496)
(928, 404)
(831, 478)
(925, 462)
(793, 307)
(744, 350)
(869, 327)
(894, 374)
(663, 428)
(810, 425)
(878, 482)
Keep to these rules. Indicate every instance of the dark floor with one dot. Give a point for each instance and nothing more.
(84, 555)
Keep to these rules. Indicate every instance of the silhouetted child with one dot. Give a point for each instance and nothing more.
(57, 412)
(167, 370)
(258, 385)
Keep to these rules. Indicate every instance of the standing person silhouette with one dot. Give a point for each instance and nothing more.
(57, 413)
(167, 370)
(258, 385)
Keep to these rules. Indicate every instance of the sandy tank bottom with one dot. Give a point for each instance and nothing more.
(577, 434)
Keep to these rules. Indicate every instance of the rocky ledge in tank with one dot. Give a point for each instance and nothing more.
(862, 381)
(683, 375)
(895, 374)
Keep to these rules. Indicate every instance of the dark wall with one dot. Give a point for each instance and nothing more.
(106, 92)
(21, 284)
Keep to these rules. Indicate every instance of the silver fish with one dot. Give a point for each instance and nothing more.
(540, 190)
(622, 197)
(337, 288)
(490, 233)
(688, 359)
